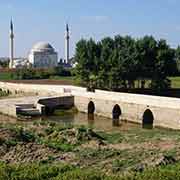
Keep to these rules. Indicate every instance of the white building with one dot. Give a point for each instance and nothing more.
(19, 63)
(43, 55)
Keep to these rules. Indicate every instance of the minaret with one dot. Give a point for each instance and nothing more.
(67, 44)
(11, 52)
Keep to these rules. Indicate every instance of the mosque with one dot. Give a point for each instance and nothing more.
(42, 54)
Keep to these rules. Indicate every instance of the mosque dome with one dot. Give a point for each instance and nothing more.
(42, 47)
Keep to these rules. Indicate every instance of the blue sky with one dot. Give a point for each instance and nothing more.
(44, 20)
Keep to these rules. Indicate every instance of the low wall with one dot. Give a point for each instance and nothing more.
(41, 90)
(65, 101)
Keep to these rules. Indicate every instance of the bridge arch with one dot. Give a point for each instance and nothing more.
(148, 119)
(116, 112)
(91, 107)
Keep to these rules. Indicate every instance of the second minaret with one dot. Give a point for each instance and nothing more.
(11, 45)
(67, 44)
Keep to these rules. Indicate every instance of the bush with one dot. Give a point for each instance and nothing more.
(20, 134)
(40, 73)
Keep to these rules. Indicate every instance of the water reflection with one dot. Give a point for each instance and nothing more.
(115, 122)
(147, 126)
(90, 120)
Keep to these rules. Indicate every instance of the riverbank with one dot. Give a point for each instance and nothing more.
(46, 150)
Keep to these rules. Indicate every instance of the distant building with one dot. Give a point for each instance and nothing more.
(19, 63)
(43, 55)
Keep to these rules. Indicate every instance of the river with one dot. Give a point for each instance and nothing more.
(97, 122)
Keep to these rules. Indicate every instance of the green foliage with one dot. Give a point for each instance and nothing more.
(61, 71)
(30, 73)
(111, 156)
(119, 62)
(32, 171)
(68, 172)
(4, 64)
(22, 135)
(112, 137)
(175, 81)
(10, 142)
(27, 73)
(59, 145)
(177, 58)
(6, 75)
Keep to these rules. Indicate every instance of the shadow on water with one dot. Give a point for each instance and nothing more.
(90, 120)
(147, 126)
(116, 122)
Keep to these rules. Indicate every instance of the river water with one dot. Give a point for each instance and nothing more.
(97, 122)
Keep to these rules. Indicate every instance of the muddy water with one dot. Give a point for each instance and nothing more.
(96, 122)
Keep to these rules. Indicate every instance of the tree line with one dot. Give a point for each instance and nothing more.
(32, 73)
(125, 62)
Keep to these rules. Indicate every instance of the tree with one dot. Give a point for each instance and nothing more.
(177, 59)
(81, 57)
(105, 63)
(87, 56)
(117, 63)
(146, 49)
(164, 66)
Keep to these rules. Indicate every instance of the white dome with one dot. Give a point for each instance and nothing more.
(43, 47)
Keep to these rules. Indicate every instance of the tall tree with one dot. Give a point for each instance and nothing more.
(164, 66)
(146, 55)
(177, 59)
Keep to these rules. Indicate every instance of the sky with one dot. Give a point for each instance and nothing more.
(44, 20)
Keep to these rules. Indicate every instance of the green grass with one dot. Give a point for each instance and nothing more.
(8, 76)
(59, 171)
(175, 82)
(90, 162)
(5, 76)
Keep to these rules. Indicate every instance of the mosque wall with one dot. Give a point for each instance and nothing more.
(43, 55)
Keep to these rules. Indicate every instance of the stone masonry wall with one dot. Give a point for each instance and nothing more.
(165, 110)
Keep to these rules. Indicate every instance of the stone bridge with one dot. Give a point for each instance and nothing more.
(143, 109)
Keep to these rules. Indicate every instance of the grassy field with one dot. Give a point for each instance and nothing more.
(5, 76)
(175, 82)
(48, 150)
(8, 76)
